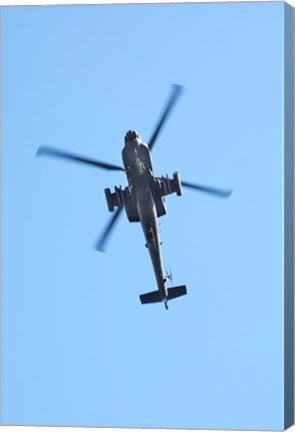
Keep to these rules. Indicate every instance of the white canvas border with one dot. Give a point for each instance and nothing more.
(93, 2)
(11, 3)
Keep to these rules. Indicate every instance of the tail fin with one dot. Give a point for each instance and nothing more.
(155, 296)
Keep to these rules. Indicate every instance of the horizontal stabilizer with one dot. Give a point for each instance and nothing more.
(176, 292)
(156, 297)
(152, 297)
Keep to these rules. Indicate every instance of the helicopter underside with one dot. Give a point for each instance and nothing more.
(143, 198)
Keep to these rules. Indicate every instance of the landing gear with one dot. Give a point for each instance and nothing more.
(166, 303)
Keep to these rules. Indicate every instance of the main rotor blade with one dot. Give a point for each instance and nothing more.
(177, 89)
(49, 151)
(100, 245)
(221, 193)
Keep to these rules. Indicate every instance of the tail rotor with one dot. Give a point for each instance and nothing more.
(169, 276)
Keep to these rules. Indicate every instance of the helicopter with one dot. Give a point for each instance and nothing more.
(143, 198)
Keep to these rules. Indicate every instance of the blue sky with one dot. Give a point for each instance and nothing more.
(78, 347)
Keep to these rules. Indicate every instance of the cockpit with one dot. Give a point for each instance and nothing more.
(132, 137)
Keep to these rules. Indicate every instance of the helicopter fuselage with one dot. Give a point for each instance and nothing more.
(144, 202)
(143, 186)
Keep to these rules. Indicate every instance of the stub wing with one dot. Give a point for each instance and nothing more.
(168, 186)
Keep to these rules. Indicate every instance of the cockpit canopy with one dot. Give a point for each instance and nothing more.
(132, 136)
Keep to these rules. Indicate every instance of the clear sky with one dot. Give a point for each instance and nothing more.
(78, 347)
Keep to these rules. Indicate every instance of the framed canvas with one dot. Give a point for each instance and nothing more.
(200, 97)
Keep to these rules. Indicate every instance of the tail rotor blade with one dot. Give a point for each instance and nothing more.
(49, 151)
(220, 193)
(100, 245)
(176, 91)
(169, 276)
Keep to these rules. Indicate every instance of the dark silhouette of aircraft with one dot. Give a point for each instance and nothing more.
(143, 198)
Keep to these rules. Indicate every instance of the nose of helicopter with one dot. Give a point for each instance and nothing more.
(131, 136)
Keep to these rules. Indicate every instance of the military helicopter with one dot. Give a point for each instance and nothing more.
(143, 198)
